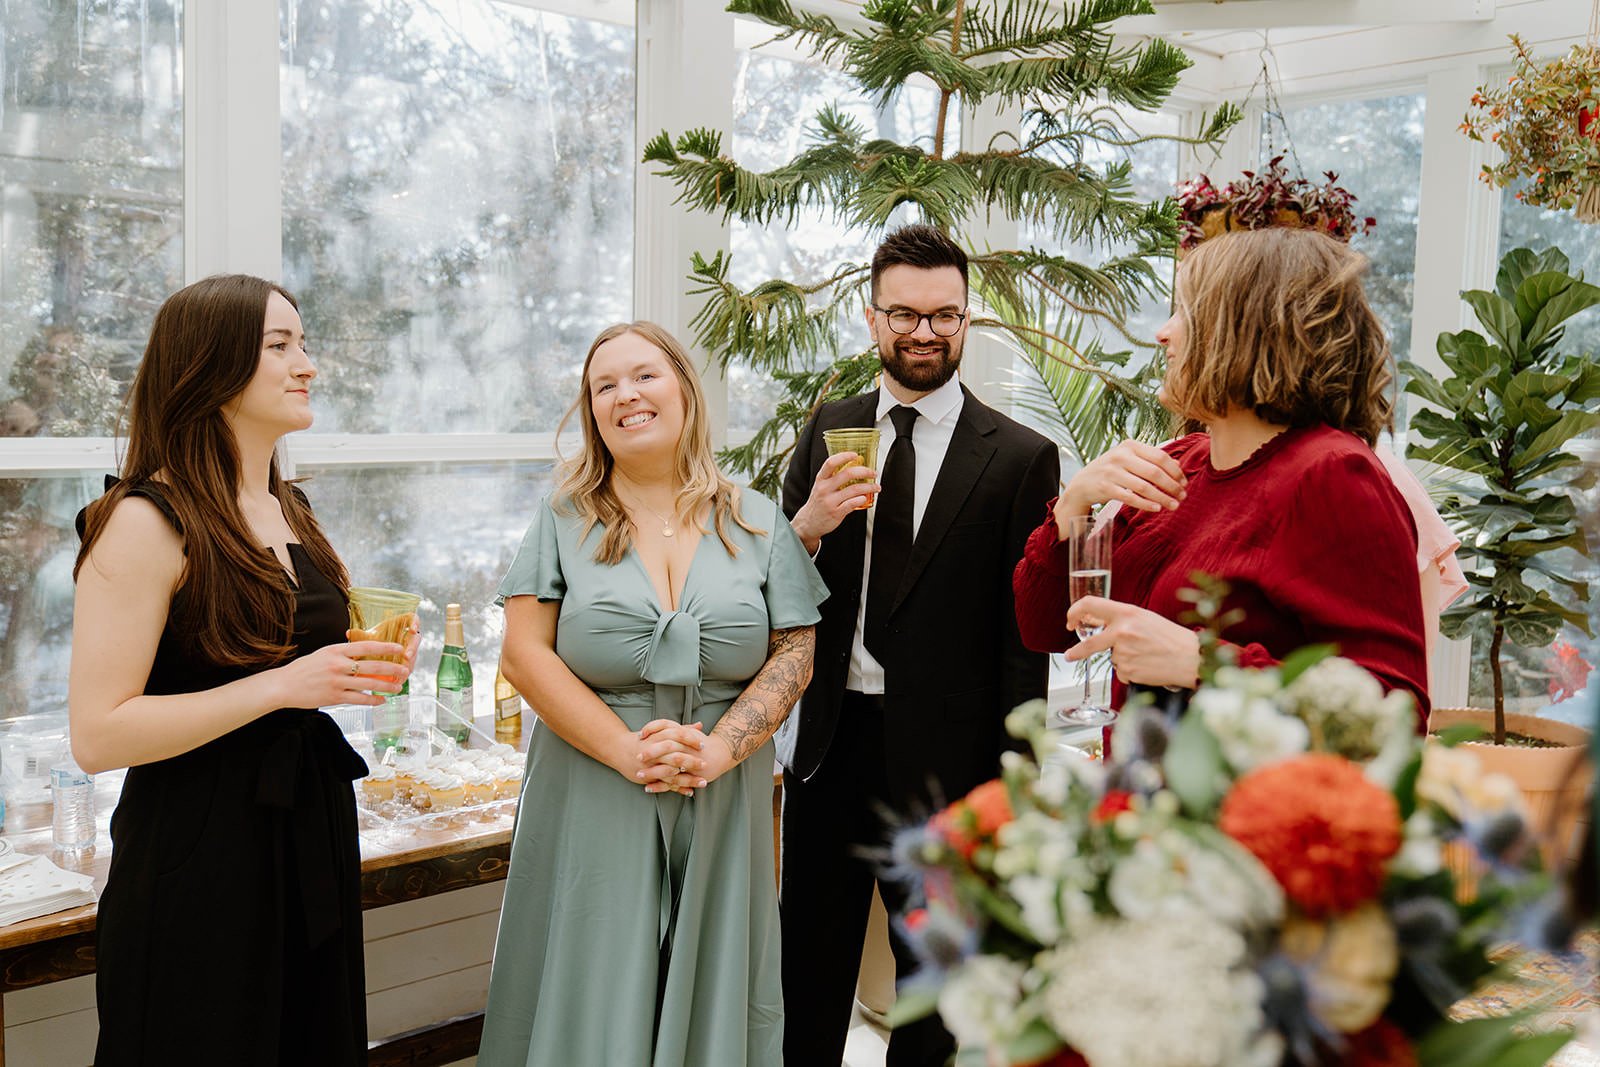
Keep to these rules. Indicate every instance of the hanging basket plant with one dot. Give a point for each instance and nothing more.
(1266, 198)
(1544, 120)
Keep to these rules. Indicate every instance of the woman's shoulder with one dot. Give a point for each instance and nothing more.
(757, 509)
(1191, 450)
(1326, 451)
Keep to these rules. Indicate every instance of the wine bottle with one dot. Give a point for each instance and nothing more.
(507, 709)
(454, 679)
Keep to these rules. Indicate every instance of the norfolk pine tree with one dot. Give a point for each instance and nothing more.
(1070, 80)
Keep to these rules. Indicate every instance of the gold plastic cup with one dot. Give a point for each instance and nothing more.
(863, 441)
(383, 615)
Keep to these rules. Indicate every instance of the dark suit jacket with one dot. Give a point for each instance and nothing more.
(956, 665)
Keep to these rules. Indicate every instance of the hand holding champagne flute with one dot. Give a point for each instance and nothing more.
(1088, 574)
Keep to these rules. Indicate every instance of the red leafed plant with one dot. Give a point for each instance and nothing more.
(1569, 671)
(1264, 198)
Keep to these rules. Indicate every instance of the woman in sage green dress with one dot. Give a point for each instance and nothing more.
(659, 620)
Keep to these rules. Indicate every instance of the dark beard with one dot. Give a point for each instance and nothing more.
(920, 377)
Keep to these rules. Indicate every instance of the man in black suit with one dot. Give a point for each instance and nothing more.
(918, 658)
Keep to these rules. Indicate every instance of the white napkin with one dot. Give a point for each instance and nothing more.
(31, 886)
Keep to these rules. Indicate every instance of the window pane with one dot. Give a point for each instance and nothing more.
(775, 101)
(1558, 680)
(448, 532)
(37, 547)
(458, 205)
(1153, 176)
(1375, 147)
(91, 212)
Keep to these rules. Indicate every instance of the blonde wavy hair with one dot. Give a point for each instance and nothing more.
(1276, 322)
(583, 485)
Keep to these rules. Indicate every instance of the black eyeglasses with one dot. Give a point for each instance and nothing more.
(904, 320)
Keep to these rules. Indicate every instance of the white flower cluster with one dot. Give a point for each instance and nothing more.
(1163, 992)
(1240, 711)
(1347, 710)
(979, 1001)
(1037, 856)
(1176, 874)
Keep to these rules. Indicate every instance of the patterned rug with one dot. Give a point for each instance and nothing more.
(1564, 990)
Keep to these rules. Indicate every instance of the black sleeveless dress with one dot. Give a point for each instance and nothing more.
(230, 926)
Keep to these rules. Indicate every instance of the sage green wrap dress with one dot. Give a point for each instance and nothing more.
(641, 930)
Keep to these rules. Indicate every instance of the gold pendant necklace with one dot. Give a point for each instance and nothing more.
(666, 523)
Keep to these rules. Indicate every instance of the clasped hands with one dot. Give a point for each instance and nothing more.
(676, 757)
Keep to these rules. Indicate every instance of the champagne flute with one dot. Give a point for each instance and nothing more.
(1088, 574)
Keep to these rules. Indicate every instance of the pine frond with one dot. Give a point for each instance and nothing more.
(1040, 25)
(818, 32)
(774, 325)
(942, 191)
(1031, 279)
(914, 38)
(765, 457)
(1073, 202)
(822, 176)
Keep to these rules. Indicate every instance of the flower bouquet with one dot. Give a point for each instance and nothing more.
(1258, 884)
(1267, 198)
(1543, 120)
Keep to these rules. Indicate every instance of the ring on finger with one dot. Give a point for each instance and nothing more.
(353, 669)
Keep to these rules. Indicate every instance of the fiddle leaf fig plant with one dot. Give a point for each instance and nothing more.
(1502, 421)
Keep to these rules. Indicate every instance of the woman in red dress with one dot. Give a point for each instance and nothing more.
(1274, 352)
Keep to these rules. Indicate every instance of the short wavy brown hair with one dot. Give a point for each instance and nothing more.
(1276, 322)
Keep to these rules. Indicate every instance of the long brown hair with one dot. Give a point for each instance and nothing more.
(234, 603)
(1276, 322)
(584, 482)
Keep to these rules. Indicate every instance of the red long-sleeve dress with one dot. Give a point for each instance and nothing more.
(1310, 534)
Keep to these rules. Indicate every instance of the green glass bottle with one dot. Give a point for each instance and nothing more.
(455, 678)
(389, 718)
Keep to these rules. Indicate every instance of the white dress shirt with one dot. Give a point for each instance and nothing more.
(937, 414)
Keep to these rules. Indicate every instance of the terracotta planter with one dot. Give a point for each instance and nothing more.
(1554, 781)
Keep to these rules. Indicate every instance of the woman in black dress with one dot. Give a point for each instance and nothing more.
(209, 624)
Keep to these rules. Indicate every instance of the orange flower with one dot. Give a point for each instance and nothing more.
(974, 819)
(1320, 827)
(991, 804)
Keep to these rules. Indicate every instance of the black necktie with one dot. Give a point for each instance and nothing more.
(891, 531)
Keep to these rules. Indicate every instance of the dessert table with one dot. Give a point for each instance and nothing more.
(421, 860)
(426, 861)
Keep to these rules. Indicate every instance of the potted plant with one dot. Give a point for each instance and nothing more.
(1543, 120)
(1501, 421)
(1266, 198)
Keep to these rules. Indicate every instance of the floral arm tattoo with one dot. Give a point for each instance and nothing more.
(766, 701)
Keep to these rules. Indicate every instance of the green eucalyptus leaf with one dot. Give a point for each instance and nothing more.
(1194, 766)
(1036, 1042)
(912, 1004)
(1473, 1043)
(1460, 734)
(1301, 660)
